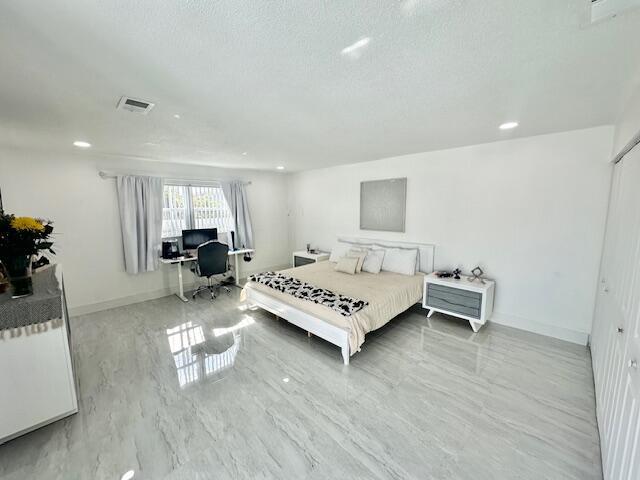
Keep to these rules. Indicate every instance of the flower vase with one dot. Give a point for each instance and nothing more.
(18, 270)
(4, 279)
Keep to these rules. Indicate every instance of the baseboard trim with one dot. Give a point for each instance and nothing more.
(146, 296)
(561, 333)
(124, 301)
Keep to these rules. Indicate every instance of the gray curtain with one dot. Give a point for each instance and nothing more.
(140, 202)
(236, 196)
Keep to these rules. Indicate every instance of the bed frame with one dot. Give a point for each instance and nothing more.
(318, 327)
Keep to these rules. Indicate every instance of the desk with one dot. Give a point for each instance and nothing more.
(180, 260)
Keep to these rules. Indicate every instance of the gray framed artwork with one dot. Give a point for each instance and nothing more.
(383, 204)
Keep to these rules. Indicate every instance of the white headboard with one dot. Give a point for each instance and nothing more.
(426, 251)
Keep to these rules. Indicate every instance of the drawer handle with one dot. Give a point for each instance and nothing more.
(633, 363)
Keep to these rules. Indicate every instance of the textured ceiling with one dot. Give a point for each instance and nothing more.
(270, 78)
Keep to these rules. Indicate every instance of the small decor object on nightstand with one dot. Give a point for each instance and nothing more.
(456, 273)
(443, 274)
(477, 275)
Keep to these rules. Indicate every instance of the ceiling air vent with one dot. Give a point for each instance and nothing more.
(135, 105)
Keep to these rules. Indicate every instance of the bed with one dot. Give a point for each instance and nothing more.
(388, 294)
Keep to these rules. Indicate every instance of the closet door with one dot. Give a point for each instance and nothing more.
(615, 341)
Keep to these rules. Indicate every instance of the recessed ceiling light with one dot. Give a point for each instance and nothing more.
(128, 475)
(354, 50)
(508, 125)
(280, 167)
(244, 153)
(176, 116)
(81, 144)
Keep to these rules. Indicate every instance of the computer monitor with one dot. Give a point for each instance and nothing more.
(192, 239)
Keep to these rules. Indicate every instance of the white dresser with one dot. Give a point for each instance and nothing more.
(462, 298)
(37, 384)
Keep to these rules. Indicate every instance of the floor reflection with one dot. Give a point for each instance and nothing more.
(246, 321)
(474, 349)
(200, 356)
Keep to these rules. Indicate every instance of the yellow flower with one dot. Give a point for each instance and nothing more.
(27, 223)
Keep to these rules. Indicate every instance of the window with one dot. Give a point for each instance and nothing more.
(187, 207)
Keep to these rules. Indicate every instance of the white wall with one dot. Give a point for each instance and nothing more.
(530, 211)
(628, 125)
(68, 190)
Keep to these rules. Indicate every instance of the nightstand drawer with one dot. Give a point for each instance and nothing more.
(456, 296)
(299, 261)
(454, 291)
(452, 306)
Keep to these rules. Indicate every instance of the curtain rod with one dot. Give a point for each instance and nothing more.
(182, 181)
(627, 148)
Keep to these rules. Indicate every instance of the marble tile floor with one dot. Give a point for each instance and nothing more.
(209, 390)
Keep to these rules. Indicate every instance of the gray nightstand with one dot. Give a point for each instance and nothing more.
(472, 301)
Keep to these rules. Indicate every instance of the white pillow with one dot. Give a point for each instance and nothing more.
(339, 250)
(360, 254)
(400, 260)
(347, 265)
(373, 260)
(384, 247)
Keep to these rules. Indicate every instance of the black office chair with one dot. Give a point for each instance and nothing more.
(213, 259)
